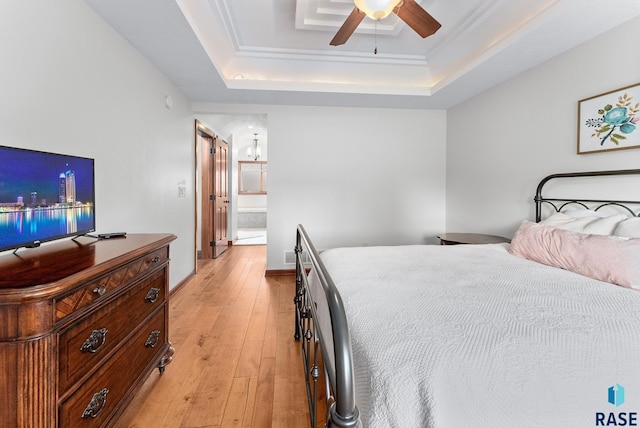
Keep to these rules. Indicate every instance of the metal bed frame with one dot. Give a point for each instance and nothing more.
(559, 203)
(339, 388)
(332, 386)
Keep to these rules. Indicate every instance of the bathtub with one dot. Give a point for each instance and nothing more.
(252, 218)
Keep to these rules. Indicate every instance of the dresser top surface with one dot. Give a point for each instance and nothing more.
(54, 262)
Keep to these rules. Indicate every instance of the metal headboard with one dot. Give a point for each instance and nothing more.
(559, 203)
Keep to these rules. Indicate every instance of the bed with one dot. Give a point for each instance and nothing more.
(544, 331)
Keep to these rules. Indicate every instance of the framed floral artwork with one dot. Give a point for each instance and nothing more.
(609, 121)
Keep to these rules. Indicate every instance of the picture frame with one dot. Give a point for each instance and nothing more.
(610, 121)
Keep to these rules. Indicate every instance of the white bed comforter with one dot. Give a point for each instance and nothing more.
(472, 336)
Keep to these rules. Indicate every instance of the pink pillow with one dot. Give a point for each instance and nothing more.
(611, 259)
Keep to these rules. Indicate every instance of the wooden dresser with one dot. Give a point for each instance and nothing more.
(82, 325)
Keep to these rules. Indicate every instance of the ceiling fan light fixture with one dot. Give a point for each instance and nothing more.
(407, 10)
(376, 9)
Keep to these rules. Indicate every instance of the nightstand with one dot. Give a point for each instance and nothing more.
(470, 238)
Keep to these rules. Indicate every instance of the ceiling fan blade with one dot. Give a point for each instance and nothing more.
(349, 26)
(417, 18)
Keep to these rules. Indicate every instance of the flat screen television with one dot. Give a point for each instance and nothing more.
(44, 196)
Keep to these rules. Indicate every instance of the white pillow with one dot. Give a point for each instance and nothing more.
(629, 227)
(591, 225)
(584, 213)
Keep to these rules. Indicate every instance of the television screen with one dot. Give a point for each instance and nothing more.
(44, 196)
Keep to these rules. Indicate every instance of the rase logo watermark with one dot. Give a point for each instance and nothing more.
(615, 397)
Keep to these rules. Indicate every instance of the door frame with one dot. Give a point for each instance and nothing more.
(202, 176)
(203, 230)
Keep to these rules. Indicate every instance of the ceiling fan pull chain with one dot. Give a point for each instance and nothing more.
(375, 37)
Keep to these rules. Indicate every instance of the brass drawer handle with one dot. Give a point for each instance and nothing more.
(95, 341)
(152, 295)
(155, 260)
(152, 340)
(96, 404)
(100, 290)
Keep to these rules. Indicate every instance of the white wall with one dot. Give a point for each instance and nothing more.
(502, 142)
(70, 84)
(351, 176)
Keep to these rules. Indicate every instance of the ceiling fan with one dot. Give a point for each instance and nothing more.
(408, 10)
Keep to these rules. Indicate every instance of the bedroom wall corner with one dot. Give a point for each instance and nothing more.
(517, 133)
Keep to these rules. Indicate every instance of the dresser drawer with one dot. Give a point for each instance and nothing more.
(105, 285)
(83, 345)
(93, 403)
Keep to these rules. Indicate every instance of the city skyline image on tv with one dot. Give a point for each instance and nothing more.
(44, 196)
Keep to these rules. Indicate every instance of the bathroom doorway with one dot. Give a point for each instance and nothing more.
(247, 212)
(252, 194)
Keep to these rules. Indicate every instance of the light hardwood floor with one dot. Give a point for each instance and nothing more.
(236, 363)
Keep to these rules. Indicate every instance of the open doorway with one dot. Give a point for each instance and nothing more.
(252, 198)
(212, 194)
(247, 212)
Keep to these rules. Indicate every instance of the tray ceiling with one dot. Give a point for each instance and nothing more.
(277, 51)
